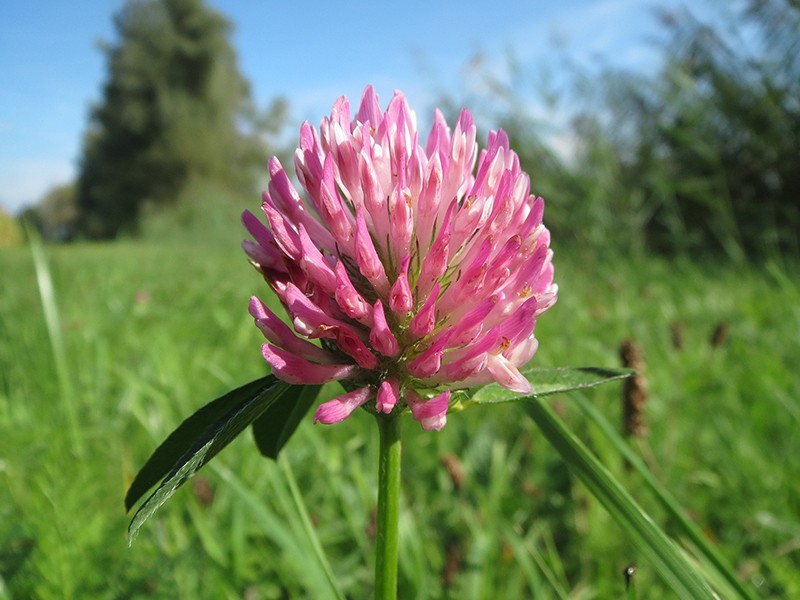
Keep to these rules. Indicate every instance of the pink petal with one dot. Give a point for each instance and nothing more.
(467, 362)
(367, 258)
(547, 299)
(346, 163)
(258, 230)
(401, 220)
(331, 209)
(349, 300)
(341, 407)
(308, 161)
(308, 318)
(381, 337)
(314, 264)
(434, 265)
(523, 352)
(369, 109)
(429, 201)
(264, 259)
(307, 136)
(469, 326)
(398, 124)
(279, 334)
(464, 368)
(461, 157)
(294, 369)
(470, 282)
(519, 325)
(499, 268)
(375, 204)
(340, 113)
(432, 414)
(388, 395)
(429, 362)
(439, 137)
(417, 161)
(285, 236)
(400, 300)
(286, 199)
(425, 319)
(507, 374)
(463, 141)
(353, 346)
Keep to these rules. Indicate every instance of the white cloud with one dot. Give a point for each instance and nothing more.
(23, 182)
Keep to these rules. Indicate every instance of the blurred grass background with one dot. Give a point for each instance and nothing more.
(674, 224)
(153, 329)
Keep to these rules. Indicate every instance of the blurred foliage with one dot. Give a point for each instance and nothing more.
(206, 211)
(55, 215)
(10, 232)
(711, 144)
(152, 329)
(175, 108)
(699, 157)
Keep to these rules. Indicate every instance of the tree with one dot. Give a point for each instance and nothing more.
(716, 134)
(173, 109)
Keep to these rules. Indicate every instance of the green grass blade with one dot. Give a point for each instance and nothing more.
(276, 520)
(524, 555)
(308, 527)
(47, 295)
(652, 542)
(690, 530)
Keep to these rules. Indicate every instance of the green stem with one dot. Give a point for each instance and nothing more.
(388, 507)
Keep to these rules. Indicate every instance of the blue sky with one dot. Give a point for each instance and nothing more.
(308, 51)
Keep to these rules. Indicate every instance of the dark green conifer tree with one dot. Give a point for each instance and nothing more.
(174, 107)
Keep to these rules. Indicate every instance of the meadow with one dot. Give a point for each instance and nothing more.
(135, 336)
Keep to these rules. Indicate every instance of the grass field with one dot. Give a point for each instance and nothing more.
(142, 334)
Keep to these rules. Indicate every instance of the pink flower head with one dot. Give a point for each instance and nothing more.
(417, 270)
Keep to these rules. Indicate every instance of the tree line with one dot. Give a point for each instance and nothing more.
(174, 109)
(699, 157)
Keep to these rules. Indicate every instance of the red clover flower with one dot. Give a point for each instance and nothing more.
(418, 272)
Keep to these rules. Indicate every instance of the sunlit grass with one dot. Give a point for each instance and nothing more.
(152, 331)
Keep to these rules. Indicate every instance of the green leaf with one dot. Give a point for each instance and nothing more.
(184, 437)
(198, 439)
(277, 424)
(651, 541)
(549, 381)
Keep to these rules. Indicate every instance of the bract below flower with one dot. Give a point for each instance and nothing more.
(417, 270)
